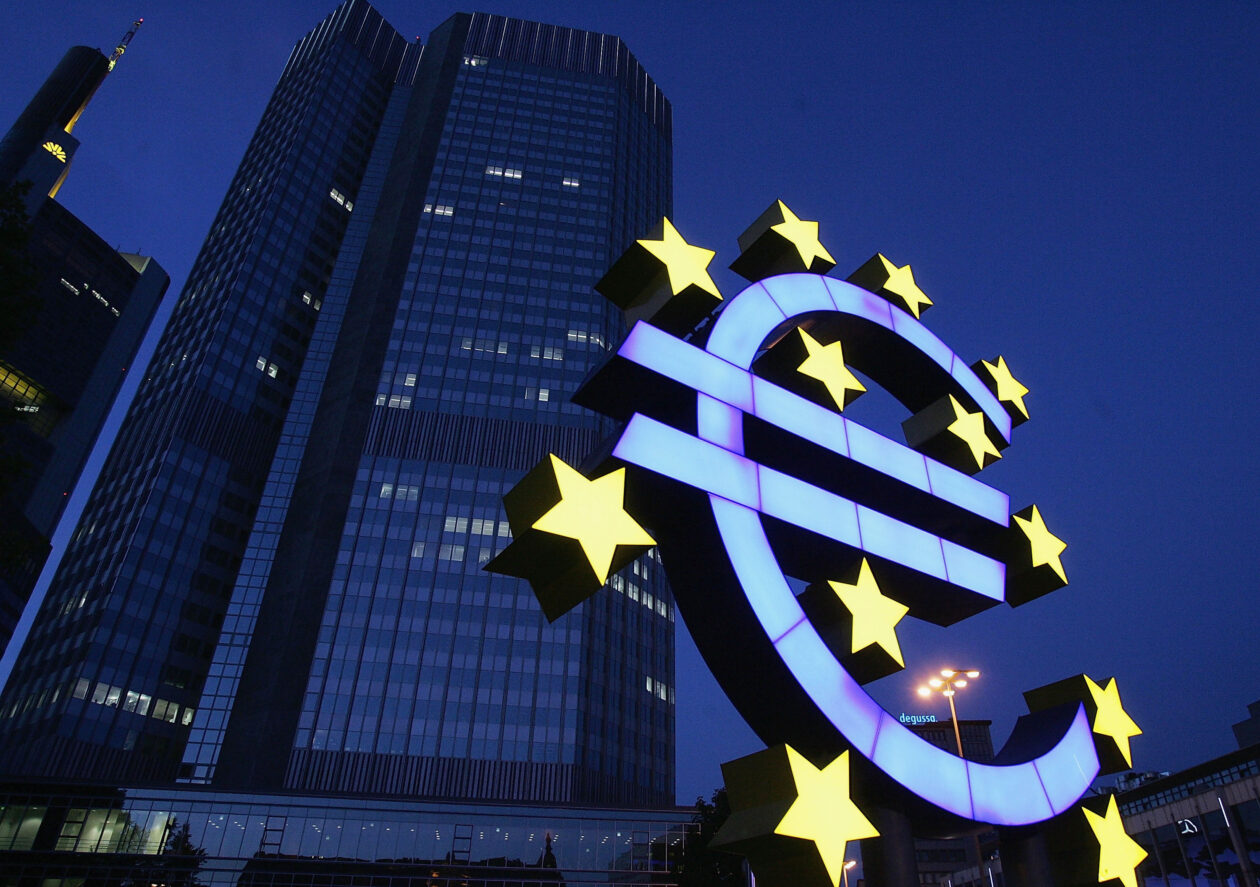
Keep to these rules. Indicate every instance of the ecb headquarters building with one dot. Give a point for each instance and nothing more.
(270, 648)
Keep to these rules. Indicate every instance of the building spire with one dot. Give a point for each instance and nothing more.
(123, 43)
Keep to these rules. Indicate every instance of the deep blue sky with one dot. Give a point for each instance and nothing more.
(1074, 184)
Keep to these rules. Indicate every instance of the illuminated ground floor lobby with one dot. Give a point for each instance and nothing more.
(81, 837)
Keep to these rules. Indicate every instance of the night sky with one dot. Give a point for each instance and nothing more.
(1075, 186)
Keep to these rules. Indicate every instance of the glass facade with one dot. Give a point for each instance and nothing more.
(1201, 827)
(212, 838)
(61, 365)
(277, 582)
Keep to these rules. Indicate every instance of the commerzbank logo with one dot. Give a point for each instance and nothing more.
(797, 540)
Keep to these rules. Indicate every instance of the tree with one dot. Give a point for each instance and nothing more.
(701, 866)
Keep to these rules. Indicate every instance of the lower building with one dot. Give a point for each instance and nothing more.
(77, 835)
(1199, 826)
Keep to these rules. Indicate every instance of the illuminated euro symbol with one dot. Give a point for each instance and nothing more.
(750, 483)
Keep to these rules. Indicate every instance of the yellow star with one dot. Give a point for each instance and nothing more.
(1118, 854)
(1009, 390)
(875, 617)
(685, 264)
(1046, 547)
(826, 364)
(591, 512)
(823, 812)
(1111, 719)
(901, 284)
(802, 235)
(969, 428)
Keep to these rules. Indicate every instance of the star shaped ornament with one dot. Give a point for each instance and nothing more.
(875, 617)
(1008, 390)
(803, 236)
(780, 242)
(686, 264)
(664, 280)
(792, 820)
(895, 283)
(1110, 719)
(949, 432)
(570, 533)
(826, 364)
(1112, 727)
(1118, 854)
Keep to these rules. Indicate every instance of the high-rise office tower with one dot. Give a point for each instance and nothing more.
(63, 362)
(277, 581)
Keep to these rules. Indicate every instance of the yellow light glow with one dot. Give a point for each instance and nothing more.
(948, 672)
(55, 150)
(823, 812)
(826, 364)
(969, 428)
(924, 691)
(1111, 719)
(973, 674)
(1008, 389)
(685, 264)
(1118, 854)
(901, 284)
(591, 512)
(803, 235)
(936, 683)
(1046, 547)
(875, 617)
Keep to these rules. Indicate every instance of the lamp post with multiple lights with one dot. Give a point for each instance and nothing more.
(951, 679)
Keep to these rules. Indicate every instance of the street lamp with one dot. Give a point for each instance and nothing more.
(951, 680)
(848, 864)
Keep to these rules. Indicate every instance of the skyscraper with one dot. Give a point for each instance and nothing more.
(61, 369)
(276, 583)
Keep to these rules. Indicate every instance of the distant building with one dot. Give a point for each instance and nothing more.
(1247, 732)
(59, 375)
(1201, 825)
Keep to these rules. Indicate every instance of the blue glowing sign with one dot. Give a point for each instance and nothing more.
(735, 456)
(742, 491)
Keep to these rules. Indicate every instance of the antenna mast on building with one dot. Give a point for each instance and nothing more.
(123, 43)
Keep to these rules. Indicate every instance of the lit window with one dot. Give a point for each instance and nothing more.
(409, 379)
(273, 370)
(261, 363)
(570, 182)
(451, 553)
(544, 394)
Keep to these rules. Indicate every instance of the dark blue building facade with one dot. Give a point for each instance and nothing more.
(277, 583)
(63, 361)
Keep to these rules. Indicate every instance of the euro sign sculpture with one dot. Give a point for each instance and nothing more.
(795, 539)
